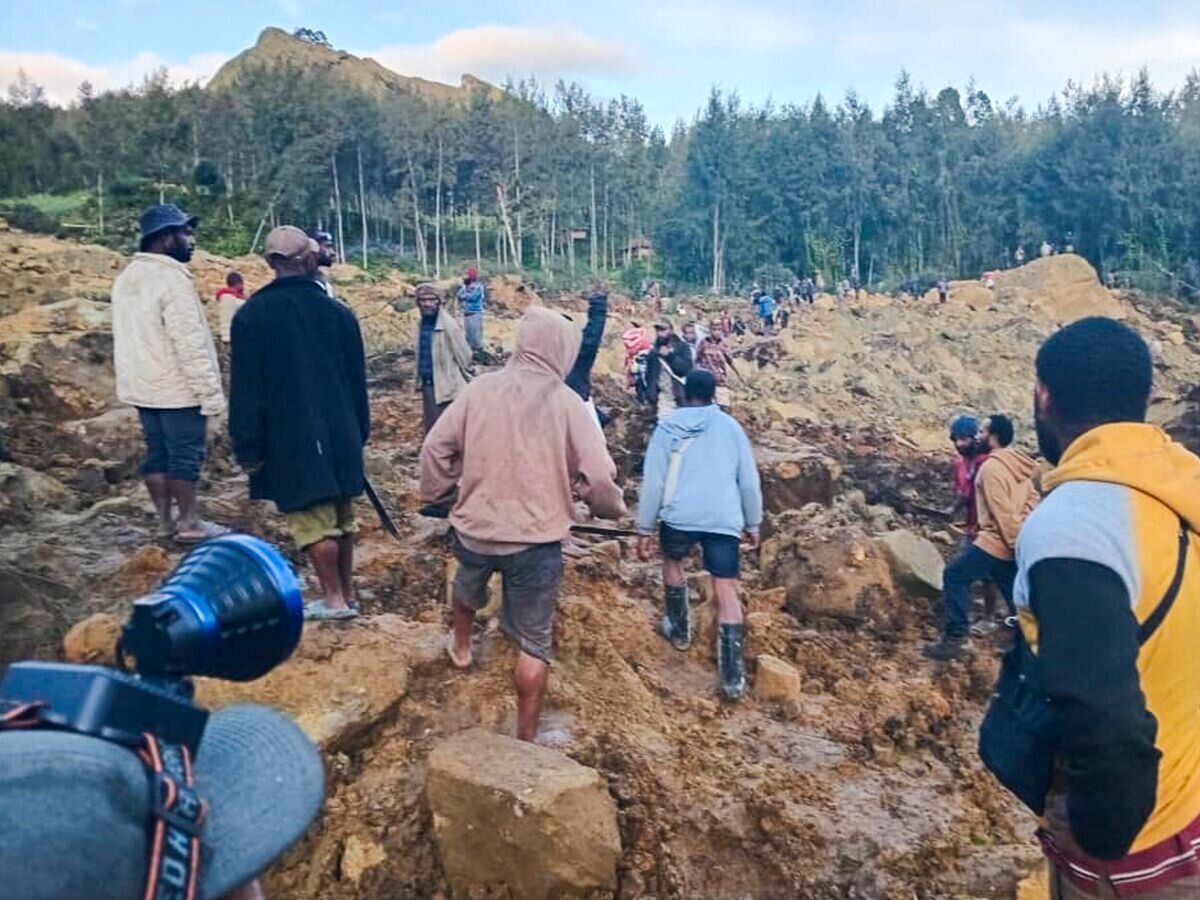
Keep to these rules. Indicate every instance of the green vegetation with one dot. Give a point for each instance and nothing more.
(565, 186)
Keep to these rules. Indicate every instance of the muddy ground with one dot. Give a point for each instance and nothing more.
(865, 785)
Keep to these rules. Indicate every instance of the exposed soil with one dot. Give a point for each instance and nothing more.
(867, 785)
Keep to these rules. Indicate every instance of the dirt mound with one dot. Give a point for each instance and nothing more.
(1064, 287)
(852, 773)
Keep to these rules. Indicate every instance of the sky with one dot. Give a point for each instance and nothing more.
(666, 53)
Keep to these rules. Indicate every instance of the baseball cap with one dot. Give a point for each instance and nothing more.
(426, 290)
(163, 216)
(964, 427)
(289, 242)
(75, 810)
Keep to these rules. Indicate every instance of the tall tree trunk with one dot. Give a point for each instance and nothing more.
(519, 253)
(502, 199)
(716, 246)
(478, 249)
(592, 229)
(437, 221)
(337, 208)
(100, 199)
(422, 252)
(362, 203)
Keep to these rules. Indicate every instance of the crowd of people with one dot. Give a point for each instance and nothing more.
(1094, 723)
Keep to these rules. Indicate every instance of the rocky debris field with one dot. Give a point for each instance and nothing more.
(849, 770)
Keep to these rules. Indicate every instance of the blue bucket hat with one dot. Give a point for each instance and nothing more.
(964, 427)
(163, 216)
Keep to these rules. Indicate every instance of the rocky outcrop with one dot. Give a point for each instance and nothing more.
(915, 561)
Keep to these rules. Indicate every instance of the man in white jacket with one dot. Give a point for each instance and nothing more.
(167, 367)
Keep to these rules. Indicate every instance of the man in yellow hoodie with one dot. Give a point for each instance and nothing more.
(1005, 494)
(1108, 598)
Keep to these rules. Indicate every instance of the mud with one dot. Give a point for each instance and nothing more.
(867, 785)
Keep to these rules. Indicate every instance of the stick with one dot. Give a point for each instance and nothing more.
(384, 518)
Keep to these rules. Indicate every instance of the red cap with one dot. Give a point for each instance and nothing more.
(472, 274)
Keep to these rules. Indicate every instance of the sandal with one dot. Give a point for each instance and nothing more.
(317, 611)
(454, 658)
(203, 532)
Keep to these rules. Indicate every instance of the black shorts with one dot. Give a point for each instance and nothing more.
(530, 581)
(174, 442)
(722, 556)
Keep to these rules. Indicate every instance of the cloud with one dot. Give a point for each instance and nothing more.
(86, 25)
(709, 25)
(291, 8)
(498, 51)
(62, 75)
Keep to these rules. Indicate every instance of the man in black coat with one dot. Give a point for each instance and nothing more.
(666, 369)
(298, 412)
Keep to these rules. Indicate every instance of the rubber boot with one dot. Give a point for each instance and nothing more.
(677, 623)
(731, 638)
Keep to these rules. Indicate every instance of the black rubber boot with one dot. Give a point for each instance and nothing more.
(677, 623)
(732, 667)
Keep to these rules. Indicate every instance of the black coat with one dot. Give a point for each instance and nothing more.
(298, 412)
(680, 362)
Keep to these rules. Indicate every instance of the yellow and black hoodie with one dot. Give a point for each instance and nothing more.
(1094, 560)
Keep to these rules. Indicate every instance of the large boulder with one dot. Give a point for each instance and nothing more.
(793, 480)
(916, 562)
(510, 814)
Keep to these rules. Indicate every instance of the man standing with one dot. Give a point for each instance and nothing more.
(298, 412)
(666, 367)
(1005, 494)
(1108, 599)
(443, 357)
(166, 366)
(701, 483)
(715, 359)
(326, 257)
(471, 298)
(229, 300)
(943, 289)
(508, 454)
(971, 453)
(692, 340)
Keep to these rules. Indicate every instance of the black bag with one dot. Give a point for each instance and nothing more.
(1018, 739)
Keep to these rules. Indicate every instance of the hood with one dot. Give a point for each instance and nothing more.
(1139, 456)
(636, 339)
(689, 421)
(1018, 463)
(546, 342)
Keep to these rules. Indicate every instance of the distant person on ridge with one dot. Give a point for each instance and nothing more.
(471, 300)
(701, 486)
(943, 289)
(443, 357)
(229, 300)
(1005, 496)
(298, 415)
(326, 257)
(166, 366)
(1108, 600)
(764, 305)
(506, 458)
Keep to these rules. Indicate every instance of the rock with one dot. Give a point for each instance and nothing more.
(342, 681)
(840, 574)
(115, 438)
(358, 855)
(24, 490)
(915, 561)
(1036, 886)
(792, 480)
(1176, 338)
(93, 641)
(825, 303)
(511, 814)
(776, 681)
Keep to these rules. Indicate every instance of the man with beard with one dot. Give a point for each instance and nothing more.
(443, 357)
(326, 257)
(1108, 600)
(966, 465)
(1005, 494)
(166, 366)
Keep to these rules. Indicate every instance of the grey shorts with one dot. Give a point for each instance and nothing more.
(530, 580)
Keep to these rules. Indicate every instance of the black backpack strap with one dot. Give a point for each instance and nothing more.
(1155, 619)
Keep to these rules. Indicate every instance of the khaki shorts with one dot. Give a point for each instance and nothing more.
(332, 519)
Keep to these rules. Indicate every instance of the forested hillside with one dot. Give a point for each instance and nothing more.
(552, 179)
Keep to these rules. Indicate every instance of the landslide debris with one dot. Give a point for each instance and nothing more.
(849, 771)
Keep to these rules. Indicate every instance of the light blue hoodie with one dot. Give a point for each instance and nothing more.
(717, 489)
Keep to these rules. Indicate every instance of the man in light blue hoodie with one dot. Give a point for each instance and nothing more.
(701, 482)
